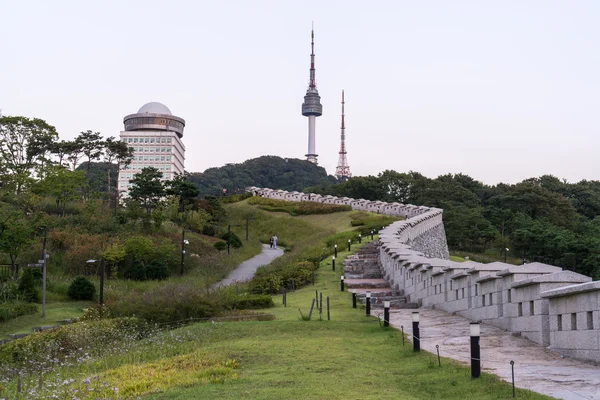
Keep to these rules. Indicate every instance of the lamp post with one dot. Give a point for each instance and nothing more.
(475, 332)
(335, 249)
(416, 333)
(386, 313)
(359, 238)
(505, 251)
(342, 282)
(353, 298)
(368, 304)
(349, 244)
(101, 300)
(184, 241)
(248, 218)
(44, 230)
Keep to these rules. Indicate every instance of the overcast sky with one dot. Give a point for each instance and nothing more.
(499, 90)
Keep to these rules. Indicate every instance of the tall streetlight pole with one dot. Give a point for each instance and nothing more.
(248, 218)
(184, 241)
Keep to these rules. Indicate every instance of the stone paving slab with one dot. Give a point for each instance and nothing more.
(536, 368)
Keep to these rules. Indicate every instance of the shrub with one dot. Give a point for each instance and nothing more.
(27, 287)
(220, 245)
(82, 289)
(15, 309)
(157, 270)
(250, 301)
(357, 222)
(136, 270)
(209, 230)
(234, 240)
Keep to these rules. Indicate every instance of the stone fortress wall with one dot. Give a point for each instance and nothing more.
(554, 308)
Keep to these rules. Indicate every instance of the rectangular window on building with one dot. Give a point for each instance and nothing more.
(509, 296)
(573, 321)
(168, 140)
(531, 308)
(590, 320)
(463, 293)
(151, 140)
(162, 158)
(163, 140)
(168, 149)
(128, 140)
(168, 158)
(476, 290)
(145, 158)
(135, 140)
(520, 309)
(145, 149)
(559, 322)
(456, 294)
(483, 300)
(146, 140)
(168, 167)
(450, 285)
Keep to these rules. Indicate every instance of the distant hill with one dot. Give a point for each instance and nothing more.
(266, 171)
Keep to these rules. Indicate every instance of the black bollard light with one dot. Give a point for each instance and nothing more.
(333, 263)
(335, 250)
(342, 282)
(371, 234)
(349, 243)
(368, 303)
(359, 238)
(416, 333)
(475, 331)
(386, 313)
(353, 298)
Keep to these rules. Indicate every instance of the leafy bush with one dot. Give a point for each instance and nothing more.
(271, 279)
(157, 270)
(27, 288)
(357, 222)
(250, 301)
(308, 208)
(82, 289)
(15, 309)
(220, 245)
(9, 291)
(234, 240)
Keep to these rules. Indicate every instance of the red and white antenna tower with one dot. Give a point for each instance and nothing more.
(342, 171)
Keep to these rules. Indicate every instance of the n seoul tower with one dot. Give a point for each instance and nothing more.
(312, 107)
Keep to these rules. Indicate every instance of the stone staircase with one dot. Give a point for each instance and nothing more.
(363, 274)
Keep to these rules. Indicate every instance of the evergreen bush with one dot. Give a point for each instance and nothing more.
(82, 289)
(136, 270)
(157, 270)
(27, 288)
(234, 240)
(220, 245)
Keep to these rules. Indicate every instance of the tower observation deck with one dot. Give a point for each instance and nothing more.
(312, 107)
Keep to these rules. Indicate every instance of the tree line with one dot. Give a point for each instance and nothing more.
(541, 219)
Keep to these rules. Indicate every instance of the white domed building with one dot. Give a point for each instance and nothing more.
(155, 135)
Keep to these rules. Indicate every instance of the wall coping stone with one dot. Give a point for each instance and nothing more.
(572, 289)
(556, 277)
(486, 278)
(533, 268)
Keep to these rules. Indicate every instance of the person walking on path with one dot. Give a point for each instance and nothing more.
(275, 242)
(271, 241)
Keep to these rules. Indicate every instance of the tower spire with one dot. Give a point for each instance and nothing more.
(342, 171)
(312, 107)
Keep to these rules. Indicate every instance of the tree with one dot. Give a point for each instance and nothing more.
(24, 147)
(147, 188)
(62, 184)
(116, 150)
(91, 145)
(17, 236)
(183, 189)
(74, 153)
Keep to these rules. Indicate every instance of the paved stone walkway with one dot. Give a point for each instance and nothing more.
(536, 368)
(247, 269)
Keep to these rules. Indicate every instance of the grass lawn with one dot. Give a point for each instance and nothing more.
(349, 357)
(54, 312)
(457, 259)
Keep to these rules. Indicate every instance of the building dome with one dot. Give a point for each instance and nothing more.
(154, 108)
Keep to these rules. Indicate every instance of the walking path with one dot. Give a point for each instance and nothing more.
(536, 368)
(247, 269)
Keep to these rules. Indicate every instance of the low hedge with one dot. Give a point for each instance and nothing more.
(15, 309)
(297, 208)
(250, 302)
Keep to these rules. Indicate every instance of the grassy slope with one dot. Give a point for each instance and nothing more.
(348, 357)
(54, 312)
